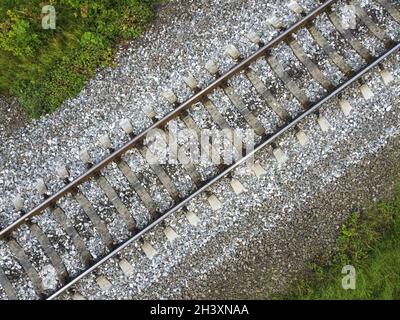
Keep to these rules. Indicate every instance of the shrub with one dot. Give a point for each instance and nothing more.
(44, 67)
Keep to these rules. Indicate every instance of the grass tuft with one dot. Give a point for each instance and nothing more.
(41, 67)
(371, 243)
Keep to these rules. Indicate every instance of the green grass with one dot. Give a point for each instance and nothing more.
(41, 67)
(370, 242)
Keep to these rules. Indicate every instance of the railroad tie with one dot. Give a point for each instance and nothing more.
(234, 53)
(103, 283)
(387, 77)
(192, 83)
(170, 96)
(126, 267)
(366, 92)
(18, 203)
(62, 219)
(237, 101)
(275, 22)
(267, 95)
(345, 107)
(302, 138)
(130, 176)
(258, 170)
(31, 272)
(211, 152)
(279, 155)
(97, 222)
(289, 83)
(255, 38)
(186, 163)
(336, 58)
(312, 68)
(193, 219)
(106, 143)
(137, 186)
(160, 172)
(391, 9)
(55, 259)
(44, 241)
(7, 286)
(221, 122)
(250, 118)
(357, 46)
(377, 31)
(279, 70)
(170, 234)
(149, 250)
(214, 202)
(188, 166)
(324, 123)
(78, 297)
(259, 85)
(192, 125)
(237, 186)
(295, 7)
(117, 203)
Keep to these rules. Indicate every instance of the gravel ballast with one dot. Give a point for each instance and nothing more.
(284, 206)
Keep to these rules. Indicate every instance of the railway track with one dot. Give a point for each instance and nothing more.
(45, 252)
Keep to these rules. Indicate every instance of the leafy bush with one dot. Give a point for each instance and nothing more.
(44, 67)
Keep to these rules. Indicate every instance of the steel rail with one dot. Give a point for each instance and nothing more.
(260, 146)
(51, 200)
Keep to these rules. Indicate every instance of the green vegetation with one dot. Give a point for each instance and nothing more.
(44, 67)
(371, 243)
